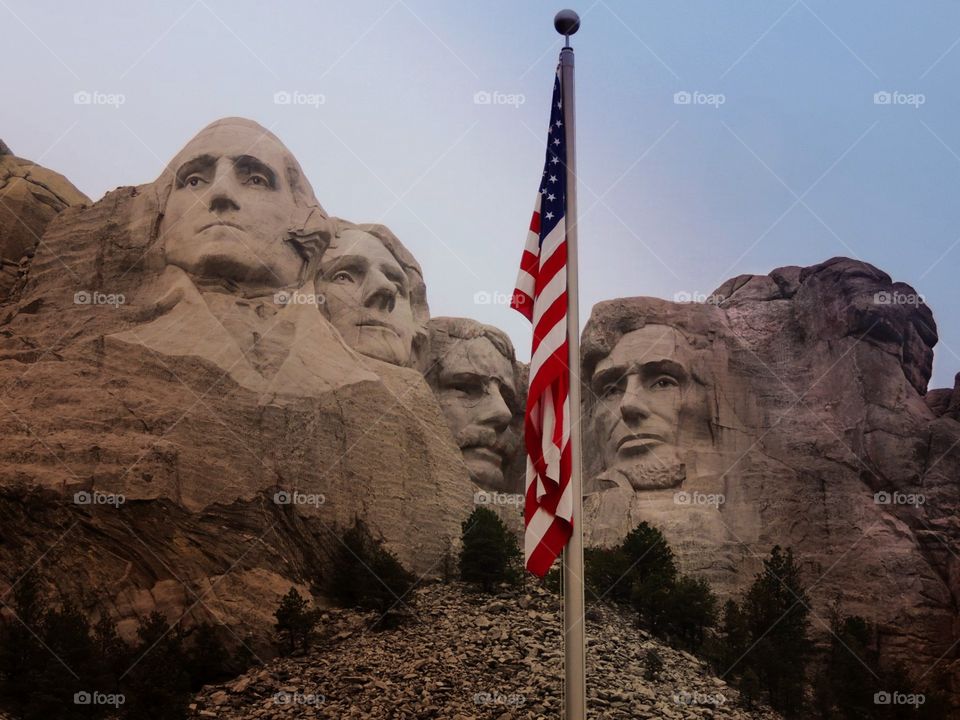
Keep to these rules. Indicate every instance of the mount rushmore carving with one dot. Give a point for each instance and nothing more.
(252, 375)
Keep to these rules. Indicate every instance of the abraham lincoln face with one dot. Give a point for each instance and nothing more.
(641, 389)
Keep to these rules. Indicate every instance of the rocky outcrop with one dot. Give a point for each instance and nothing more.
(797, 414)
(469, 656)
(186, 445)
(30, 197)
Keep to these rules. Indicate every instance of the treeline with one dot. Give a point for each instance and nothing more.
(760, 642)
(54, 664)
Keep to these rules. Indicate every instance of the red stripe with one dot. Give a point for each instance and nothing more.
(529, 263)
(522, 303)
(535, 222)
(541, 560)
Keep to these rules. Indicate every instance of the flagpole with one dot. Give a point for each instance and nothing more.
(567, 22)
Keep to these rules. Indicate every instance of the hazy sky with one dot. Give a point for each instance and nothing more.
(799, 162)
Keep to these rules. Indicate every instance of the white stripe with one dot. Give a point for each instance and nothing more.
(554, 289)
(525, 283)
(549, 344)
(539, 525)
(551, 453)
(552, 241)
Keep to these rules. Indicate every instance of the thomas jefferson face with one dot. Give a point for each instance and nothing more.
(230, 207)
(476, 392)
(367, 297)
(641, 387)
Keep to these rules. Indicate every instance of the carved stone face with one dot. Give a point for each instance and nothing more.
(367, 297)
(641, 390)
(475, 388)
(230, 207)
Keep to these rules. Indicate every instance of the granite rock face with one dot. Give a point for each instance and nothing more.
(185, 432)
(206, 379)
(30, 197)
(793, 410)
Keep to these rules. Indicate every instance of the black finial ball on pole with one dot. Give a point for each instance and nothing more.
(567, 22)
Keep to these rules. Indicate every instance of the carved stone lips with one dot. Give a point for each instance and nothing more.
(218, 223)
(373, 322)
(485, 453)
(639, 441)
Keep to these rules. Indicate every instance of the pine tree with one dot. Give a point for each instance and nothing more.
(652, 574)
(21, 654)
(207, 658)
(734, 639)
(368, 576)
(295, 621)
(157, 686)
(777, 610)
(69, 668)
(605, 570)
(489, 553)
(692, 608)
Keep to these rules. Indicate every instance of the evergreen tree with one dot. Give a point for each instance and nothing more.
(207, 659)
(692, 608)
(734, 639)
(652, 574)
(21, 654)
(70, 666)
(368, 576)
(295, 621)
(489, 554)
(776, 610)
(113, 652)
(605, 571)
(157, 685)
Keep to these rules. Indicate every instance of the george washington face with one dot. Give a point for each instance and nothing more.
(230, 208)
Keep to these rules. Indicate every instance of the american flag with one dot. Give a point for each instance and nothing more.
(541, 295)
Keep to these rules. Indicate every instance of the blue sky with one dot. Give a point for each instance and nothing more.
(798, 164)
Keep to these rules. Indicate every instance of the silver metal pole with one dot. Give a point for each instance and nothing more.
(575, 686)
